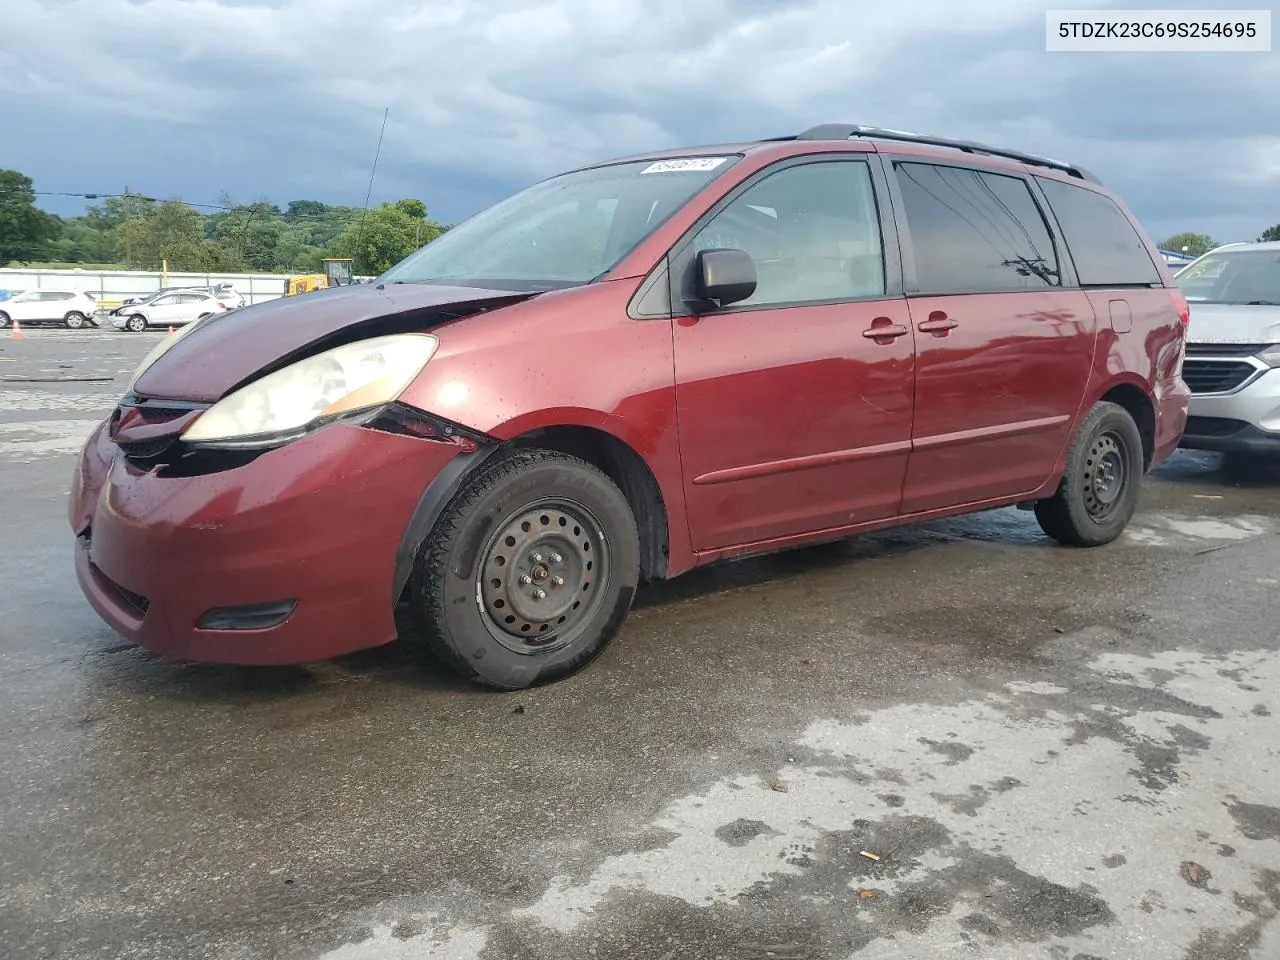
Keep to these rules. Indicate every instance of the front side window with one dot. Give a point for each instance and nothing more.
(1237, 276)
(973, 231)
(812, 230)
(562, 232)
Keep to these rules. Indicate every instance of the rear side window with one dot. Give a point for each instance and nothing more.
(975, 232)
(1106, 249)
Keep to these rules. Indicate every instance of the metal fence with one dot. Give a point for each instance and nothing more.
(110, 287)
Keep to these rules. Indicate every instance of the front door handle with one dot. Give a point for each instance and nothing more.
(938, 324)
(885, 330)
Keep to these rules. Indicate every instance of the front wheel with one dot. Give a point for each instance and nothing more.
(136, 323)
(74, 320)
(529, 572)
(5, 322)
(1099, 491)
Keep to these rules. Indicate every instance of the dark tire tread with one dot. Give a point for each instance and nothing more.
(1063, 516)
(432, 565)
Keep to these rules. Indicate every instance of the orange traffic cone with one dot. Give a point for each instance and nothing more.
(171, 328)
(16, 334)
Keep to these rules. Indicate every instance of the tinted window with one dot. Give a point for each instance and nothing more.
(975, 232)
(62, 296)
(1107, 251)
(812, 230)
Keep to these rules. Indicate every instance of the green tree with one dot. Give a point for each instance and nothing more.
(414, 208)
(1195, 244)
(385, 235)
(25, 229)
(1270, 234)
(113, 211)
(305, 208)
(172, 233)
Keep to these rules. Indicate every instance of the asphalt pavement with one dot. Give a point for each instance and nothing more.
(949, 741)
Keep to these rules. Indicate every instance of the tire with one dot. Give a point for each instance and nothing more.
(136, 323)
(519, 524)
(1099, 491)
(74, 320)
(5, 322)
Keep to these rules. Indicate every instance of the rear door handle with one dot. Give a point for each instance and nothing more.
(938, 322)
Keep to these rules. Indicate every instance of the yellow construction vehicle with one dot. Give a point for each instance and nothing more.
(305, 283)
(337, 273)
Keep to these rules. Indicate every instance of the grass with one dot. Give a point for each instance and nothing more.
(58, 265)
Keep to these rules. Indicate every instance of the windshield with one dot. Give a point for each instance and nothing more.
(562, 232)
(1237, 276)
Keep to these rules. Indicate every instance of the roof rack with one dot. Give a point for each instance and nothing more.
(846, 131)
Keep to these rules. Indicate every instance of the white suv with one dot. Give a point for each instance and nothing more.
(67, 308)
(172, 309)
(1232, 364)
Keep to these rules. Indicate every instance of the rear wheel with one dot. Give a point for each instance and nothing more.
(529, 572)
(5, 322)
(137, 323)
(74, 320)
(1099, 491)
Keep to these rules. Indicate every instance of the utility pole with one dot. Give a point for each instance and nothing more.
(128, 234)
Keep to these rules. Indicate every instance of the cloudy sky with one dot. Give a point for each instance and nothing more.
(283, 99)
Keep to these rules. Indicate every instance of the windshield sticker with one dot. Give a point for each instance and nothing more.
(684, 164)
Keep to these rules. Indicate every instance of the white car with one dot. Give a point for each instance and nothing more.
(1232, 364)
(67, 308)
(172, 309)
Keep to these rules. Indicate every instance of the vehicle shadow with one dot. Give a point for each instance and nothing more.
(1197, 467)
(407, 662)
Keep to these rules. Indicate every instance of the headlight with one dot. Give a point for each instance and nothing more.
(346, 379)
(160, 349)
(1271, 355)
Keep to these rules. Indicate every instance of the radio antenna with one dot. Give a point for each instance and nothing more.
(373, 173)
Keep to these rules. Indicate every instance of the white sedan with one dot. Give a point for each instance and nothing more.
(171, 309)
(67, 308)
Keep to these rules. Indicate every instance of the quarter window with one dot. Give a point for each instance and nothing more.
(975, 232)
(812, 230)
(1105, 248)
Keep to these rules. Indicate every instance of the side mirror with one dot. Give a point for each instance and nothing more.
(724, 277)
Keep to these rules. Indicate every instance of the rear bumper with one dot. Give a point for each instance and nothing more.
(317, 522)
(1171, 420)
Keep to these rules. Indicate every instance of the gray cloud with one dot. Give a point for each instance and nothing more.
(283, 99)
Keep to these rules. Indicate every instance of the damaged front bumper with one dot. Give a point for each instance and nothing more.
(287, 558)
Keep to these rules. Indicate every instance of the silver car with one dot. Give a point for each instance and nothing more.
(1232, 364)
(167, 309)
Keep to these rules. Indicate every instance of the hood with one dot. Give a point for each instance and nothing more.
(1233, 323)
(232, 348)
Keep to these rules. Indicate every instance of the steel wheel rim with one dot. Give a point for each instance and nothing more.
(1106, 476)
(523, 606)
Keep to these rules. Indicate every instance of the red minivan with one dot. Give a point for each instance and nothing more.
(625, 372)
